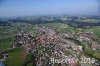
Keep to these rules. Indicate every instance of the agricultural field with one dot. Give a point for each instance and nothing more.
(15, 58)
(28, 60)
(7, 30)
(49, 33)
(6, 43)
(89, 20)
(65, 28)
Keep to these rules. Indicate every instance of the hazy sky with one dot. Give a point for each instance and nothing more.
(48, 7)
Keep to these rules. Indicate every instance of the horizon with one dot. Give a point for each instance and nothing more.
(48, 7)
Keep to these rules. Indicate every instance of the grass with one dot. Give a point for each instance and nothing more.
(14, 58)
(30, 64)
(28, 60)
(96, 30)
(67, 52)
(57, 26)
(65, 28)
(7, 30)
(91, 53)
(89, 20)
(6, 43)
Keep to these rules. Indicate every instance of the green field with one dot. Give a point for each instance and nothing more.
(14, 58)
(6, 43)
(7, 30)
(30, 64)
(28, 60)
(61, 27)
(96, 30)
(89, 20)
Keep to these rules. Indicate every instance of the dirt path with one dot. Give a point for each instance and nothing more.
(24, 53)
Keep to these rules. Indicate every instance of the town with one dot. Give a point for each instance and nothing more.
(48, 44)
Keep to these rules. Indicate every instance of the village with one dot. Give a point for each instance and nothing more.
(49, 44)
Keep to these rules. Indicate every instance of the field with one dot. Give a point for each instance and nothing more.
(6, 43)
(7, 30)
(65, 28)
(30, 64)
(96, 30)
(14, 58)
(89, 20)
(28, 60)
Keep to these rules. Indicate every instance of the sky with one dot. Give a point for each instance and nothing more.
(48, 7)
